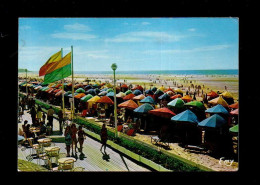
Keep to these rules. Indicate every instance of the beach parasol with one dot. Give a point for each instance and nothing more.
(213, 121)
(169, 89)
(165, 96)
(120, 95)
(234, 129)
(138, 87)
(176, 96)
(217, 109)
(96, 85)
(94, 99)
(163, 112)
(59, 93)
(109, 85)
(124, 86)
(178, 103)
(130, 104)
(128, 92)
(212, 94)
(111, 93)
(129, 97)
(234, 112)
(91, 91)
(58, 85)
(102, 93)
(139, 97)
(159, 92)
(144, 108)
(186, 116)
(86, 98)
(162, 88)
(80, 90)
(104, 89)
(178, 90)
(67, 93)
(148, 99)
(170, 93)
(50, 89)
(97, 91)
(149, 91)
(80, 95)
(105, 99)
(227, 94)
(69, 84)
(219, 100)
(56, 90)
(88, 87)
(110, 90)
(154, 89)
(197, 104)
(187, 98)
(38, 87)
(75, 94)
(234, 106)
(137, 92)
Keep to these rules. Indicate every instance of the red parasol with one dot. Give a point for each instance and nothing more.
(234, 112)
(163, 112)
(176, 96)
(234, 106)
(187, 98)
(124, 86)
(129, 96)
(80, 95)
(169, 89)
(130, 104)
(105, 99)
(57, 90)
(212, 94)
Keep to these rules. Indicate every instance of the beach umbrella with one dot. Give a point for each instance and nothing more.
(38, 87)
(104, 89)
(130, 104)
(109, 85)
(149, 91)
(67, 93)
(91, 91)
(138, 87)
(213, 121)
(97, 91)
(69, 84)
(234, 129)
(102, 93)
(110, 90)
(212, 94)
(154, 89)
(178, 91)
(111, 93)
(88, 87)
(48, 90)
(234, 112)
(128, 92)
(86, 98)
(124, 86)
(159, 92)
(187, 98)
(176, 96)
(234, 106)
(129, 97)
(139, 97)
(58, 85)
(217, 109)
(162, 88)
(96, 85)
(51, 84)
(165, 96)
(170, 93)
(197, 104)
(75, 94)
(178, 103)
(20, 138)
(80, 95)
(227, 94)
(144, 108)
(80, 90)
(56, 90)
(148, 99)
(163, 112)
(219, 100)
(59, 93)
(186, 116)
(137, 92)
(120, 95)
(105, 99)
(94, 99)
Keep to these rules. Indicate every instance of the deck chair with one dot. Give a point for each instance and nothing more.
(67, 165)
(34, 147)
(130, 132)
(119, 128)
(78, 169)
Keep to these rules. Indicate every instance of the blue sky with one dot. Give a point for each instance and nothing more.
(132, 43)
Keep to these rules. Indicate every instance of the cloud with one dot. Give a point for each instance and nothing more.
(25, 27)
(192, 29)
(73, 36)
(145, 23)
(76, 27)
(145, 36)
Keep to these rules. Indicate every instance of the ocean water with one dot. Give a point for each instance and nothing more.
(167, 72)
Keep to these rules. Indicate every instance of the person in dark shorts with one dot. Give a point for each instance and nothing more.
(81, 138)
(103, 136)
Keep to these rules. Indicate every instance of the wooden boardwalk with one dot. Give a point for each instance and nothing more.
(94, 158)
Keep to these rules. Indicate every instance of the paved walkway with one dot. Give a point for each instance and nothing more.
(94, 158)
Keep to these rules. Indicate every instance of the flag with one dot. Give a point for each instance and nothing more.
(51, 61)
(59, 70)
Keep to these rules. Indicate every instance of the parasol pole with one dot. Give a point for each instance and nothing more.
(63, 105)
(73, 111)
(26, 81)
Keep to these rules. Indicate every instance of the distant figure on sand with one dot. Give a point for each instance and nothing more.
(103, 136)
(50, 116)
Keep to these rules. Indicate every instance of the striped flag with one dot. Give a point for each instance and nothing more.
(51, 61)
(59, 70)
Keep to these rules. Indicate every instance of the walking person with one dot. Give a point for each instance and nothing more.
(68, 140)
(74, 131)
(103, 136)
(39, 114)
(33, 115)
(43, 117)
(50, 117)
(81, 137)
(60, 115)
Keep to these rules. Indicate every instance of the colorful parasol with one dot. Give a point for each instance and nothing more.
(130, 104)
(105, 99)
(163, 112)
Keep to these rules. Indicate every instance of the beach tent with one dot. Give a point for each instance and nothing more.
(212, 94)
(102, 93)
(165, 96)
(163, 112)
(120, 95)
(219, 100)
(137, 92)
(187, 98)
(111, 93)
(86, 98)
(213, 121)
(130, 104)
(80, 95)
(105, 99)
(186, 116)
(176, 96)
(217, 109)
(227, 94)
(80, 90)
(144, 108)
(170, 93)
(234, 106)
(129, 97)
(149, 91)
(234, 129)
(234, 112)
(178, 91)
(154, 89)
(139, 97)
(148, 99)
(177, 103)
(197, 104)
(128, 92)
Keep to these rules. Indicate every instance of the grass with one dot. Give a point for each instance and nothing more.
(27, 166)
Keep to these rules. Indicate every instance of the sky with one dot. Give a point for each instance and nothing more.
(132, 43)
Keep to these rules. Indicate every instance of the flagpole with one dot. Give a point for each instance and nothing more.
(63, 106)
(73, 111)
(26, 82)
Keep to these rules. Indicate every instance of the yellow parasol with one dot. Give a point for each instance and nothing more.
(227, 94)
(219, 100)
